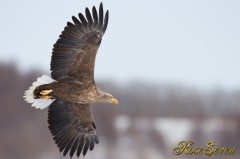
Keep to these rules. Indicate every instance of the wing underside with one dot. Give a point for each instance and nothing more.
(74, 52)
(72, 127)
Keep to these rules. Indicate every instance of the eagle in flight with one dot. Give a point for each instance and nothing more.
(71, 89)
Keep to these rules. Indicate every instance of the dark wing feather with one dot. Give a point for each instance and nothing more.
(104, 27)
(88, 15)
(84, 22)
(100, 22)
(95, 16)
(72, 127)
(75, 51)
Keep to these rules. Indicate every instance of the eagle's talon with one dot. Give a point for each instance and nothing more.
(45, 92)
(45, 97)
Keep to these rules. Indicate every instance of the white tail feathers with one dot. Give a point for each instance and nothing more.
(29, 96)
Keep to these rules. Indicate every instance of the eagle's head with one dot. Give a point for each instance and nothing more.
(105, 97)
(109, 98)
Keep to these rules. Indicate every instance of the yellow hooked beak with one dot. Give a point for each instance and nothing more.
(114, 100)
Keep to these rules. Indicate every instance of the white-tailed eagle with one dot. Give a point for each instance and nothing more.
(71, 89)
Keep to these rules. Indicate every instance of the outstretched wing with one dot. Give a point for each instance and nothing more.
(74, 52)
(72, 127)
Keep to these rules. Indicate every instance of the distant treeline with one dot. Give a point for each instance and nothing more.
(21, 126)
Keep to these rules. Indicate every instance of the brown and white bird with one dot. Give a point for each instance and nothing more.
(71, 89)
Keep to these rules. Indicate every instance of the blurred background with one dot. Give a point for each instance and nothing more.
(173, 65)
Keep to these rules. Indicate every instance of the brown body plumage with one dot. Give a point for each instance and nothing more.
(74, 92)
(72, 88)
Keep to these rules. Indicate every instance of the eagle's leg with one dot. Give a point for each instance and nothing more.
(45, 92)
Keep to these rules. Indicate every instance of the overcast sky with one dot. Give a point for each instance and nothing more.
(191, 42)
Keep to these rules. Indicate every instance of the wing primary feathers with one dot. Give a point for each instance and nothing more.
(69, 145)
(95, 15)
(78, 24)
(82, 18)
(88, 15)
(75, 145)
(90, 20)
(86, 146)
(84, 22)
(80, 147)
(100, 16)
(76, 21)
(91, 142)
(105, 22)
(96, 139)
